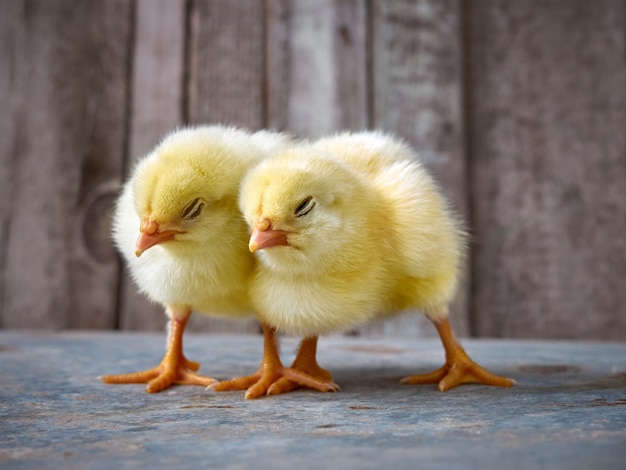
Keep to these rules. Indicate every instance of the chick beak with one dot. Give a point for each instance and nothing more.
(264, 236)
(151, 235)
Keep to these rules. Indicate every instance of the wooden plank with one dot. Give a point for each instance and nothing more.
(546, 117)
(326, 80)
(12, 35)
(101, 132)
(226, 63)
(157, 107)
(350, 43)
(226, 84)
(277, 39)
(158, 71)
(68, 69)
(417, 94)
(567, 411)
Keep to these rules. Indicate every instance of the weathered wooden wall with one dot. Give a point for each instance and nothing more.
(518, 108)
(547, 152)
(64, 70)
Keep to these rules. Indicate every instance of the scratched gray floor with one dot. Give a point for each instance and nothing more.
(568, 410)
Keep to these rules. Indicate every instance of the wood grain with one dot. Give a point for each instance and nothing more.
(12, 38)
(417, 94)
(546, 116)
(277, 73)
(68, 66)
(227, 63)
(327, 80)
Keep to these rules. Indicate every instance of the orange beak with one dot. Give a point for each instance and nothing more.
(264, 236)
(151, 235)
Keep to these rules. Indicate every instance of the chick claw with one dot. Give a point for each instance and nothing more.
(459, 369)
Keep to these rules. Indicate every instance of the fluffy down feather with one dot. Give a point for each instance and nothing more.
(179, 229)
(378, 237)
(349, 229)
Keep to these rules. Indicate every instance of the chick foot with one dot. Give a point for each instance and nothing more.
(273, 378)
(175, 368)
(305, 362)
(170, 371)
(459, 367)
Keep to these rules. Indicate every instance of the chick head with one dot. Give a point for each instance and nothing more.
(297, 205)
(185, 191)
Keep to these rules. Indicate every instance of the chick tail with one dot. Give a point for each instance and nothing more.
(459, 367)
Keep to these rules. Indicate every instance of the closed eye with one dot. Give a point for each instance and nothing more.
(305, 206)
(193, 210)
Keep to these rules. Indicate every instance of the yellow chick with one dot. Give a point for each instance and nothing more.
(350, 229)
(178, 227)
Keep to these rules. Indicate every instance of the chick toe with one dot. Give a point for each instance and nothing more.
(238, 383)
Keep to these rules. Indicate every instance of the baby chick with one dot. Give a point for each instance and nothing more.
(180, 232)
(350, 229)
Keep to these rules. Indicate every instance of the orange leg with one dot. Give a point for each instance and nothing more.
(175, 368)
(272, 370)
(459, 367)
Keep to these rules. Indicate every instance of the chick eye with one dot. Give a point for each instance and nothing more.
(193, 210)
(305, 206)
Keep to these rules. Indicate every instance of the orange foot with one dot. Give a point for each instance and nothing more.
(171, 371)
(273, 378)
(305, 362)
(459, 367)
(175, 368)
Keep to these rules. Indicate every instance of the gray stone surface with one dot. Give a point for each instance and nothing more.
(567, 411)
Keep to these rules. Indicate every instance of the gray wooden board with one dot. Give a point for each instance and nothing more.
(567, 411)
(226, 63)
(64, 70)
(546, 119)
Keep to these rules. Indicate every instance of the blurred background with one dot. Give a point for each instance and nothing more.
(518, 108)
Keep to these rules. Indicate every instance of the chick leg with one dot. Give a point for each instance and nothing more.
(306, 362)
(272, 370)
(459, 367)
(175, 368)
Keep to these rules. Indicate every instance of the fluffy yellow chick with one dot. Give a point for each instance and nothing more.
(178, 227)
(350, 229)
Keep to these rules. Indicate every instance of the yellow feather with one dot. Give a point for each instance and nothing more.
(207, 265)
(379, 239)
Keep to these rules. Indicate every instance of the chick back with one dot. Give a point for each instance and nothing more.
(429, 243)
